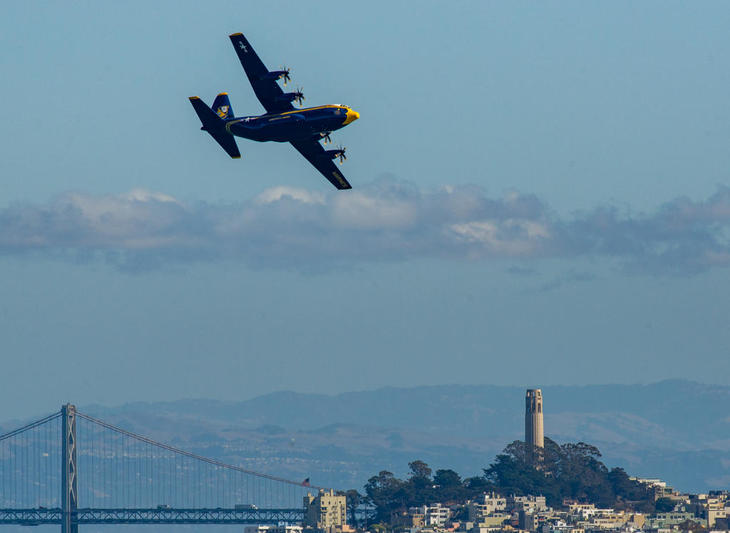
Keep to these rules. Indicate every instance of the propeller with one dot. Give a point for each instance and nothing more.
(285, 76)
(341, 155)
(326, 137)
(299, 96)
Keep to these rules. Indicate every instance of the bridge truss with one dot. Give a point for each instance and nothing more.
(33, 517)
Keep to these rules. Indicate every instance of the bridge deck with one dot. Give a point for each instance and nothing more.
(29, 517)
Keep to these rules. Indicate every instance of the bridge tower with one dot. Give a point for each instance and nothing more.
(69, 473)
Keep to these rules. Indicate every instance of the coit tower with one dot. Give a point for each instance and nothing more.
(533, 418)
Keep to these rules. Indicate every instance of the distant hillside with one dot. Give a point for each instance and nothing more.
(676, 430)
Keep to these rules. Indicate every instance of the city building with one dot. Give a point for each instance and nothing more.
(534, 433)
(668, 520)
(660, 489)
(488, 504)
(529, 503)
(528, 521)
(326, 510)
(408, 519)
(435, 515)
(492, 513)
(272, 529)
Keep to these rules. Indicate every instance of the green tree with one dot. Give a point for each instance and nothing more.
(419, 486)
(420, 470)
(514, 472)
(354, 500)
(571, 470)
(446, 478)
(691, 525)
(387, 493)
(630, 494)
(474, 486)
(664, 505)
(448, 486)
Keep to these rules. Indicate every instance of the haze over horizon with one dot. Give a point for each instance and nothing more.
(541, 196)
(343, 440)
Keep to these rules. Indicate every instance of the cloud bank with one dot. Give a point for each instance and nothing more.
(388, 220)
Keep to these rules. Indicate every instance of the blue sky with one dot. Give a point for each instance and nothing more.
(541, 196)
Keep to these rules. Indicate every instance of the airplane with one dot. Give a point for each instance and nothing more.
(304, 128)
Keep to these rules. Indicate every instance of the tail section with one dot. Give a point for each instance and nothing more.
(222, 106)
(215, 125)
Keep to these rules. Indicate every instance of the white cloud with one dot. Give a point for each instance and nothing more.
(366, 211)
(275, 194)
(509, 238)
(285, 227)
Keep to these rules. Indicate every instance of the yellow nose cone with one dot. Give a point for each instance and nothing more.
(351, 116)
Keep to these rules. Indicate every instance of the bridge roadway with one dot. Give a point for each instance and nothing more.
(157, 515)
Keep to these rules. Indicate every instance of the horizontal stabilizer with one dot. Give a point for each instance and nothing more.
(216, 126)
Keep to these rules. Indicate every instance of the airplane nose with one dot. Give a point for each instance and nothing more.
(351, 116)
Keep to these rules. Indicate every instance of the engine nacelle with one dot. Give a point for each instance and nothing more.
(334, 154)
(291, 97)
(275, 75)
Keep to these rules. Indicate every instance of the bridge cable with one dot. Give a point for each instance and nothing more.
(29, 426)
(192, 455)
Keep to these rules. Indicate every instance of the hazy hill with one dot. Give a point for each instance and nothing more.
(676, 430)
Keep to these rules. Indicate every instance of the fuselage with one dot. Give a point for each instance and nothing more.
(292, 125)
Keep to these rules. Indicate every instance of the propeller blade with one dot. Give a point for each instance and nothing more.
(286, 77)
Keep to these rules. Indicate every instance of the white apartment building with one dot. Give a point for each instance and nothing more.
(529, 504)
(433, 515)
(272, 529)
(489, 503)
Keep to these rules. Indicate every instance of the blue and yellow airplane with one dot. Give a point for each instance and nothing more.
(304, 128)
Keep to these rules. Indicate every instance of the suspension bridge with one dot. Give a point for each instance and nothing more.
(71, 469)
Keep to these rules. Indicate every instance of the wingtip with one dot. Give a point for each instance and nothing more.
(235, 34)
(193, 98)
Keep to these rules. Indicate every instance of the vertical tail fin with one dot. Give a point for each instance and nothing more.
(222, 106)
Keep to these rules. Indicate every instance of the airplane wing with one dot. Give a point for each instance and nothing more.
(267, 90)
(315, 154)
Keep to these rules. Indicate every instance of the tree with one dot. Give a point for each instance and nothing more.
(446, 478)
(474, 486)
(420, 470)
(571, 470)
(515, 472)
(664, 505)
(386, 493)
(691, 525)
(419, 486)
(558, 472)
(448, 486)
(630, 494)
(354, 500)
